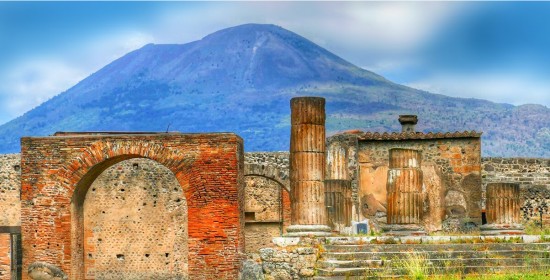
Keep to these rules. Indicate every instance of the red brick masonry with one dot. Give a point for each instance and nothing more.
(58, 170)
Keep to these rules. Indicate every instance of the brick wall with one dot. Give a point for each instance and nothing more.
(57, 172)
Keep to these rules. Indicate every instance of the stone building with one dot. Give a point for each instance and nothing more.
(451, 167)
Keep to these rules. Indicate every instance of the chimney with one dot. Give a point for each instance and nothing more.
(408, 122)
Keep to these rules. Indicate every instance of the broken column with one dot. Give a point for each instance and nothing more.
(404, 193)
(338, 203)
(307, 167)
(338, 200)
(502, 210)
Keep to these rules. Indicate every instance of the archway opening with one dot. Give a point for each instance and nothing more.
(267, 211)
(133, 223)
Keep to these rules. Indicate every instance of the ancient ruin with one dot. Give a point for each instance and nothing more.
(102, 205)
(502, 210)
(451, 168)
(58, 172)
(307, 167)
(404, 193)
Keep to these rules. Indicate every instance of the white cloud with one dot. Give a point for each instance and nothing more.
(33, 82)
(29, 83)
(393, 26)
(501, 87)
(97, 52)
(393, 64)
(363, 26)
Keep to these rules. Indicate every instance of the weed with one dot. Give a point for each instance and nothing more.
(416, 265)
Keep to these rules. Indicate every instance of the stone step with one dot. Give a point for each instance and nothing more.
(350, 263)
(328, 264)
(435, 247)
(462, 239)
(400, 272)
(435, 254)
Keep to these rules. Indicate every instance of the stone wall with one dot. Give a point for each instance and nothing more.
(273, 165)
(279, 160)
(533, 176)
(10, 186)
(451, 166)
(5, 256)
(451, 180)
(267, 211)
(10, 208)
(267, 198)
(287, 259)
(135, 223)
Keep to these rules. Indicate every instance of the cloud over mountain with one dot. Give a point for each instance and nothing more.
(241, 79)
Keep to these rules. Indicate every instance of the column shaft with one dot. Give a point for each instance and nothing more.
(502, 209)
(404, 193)
(307, 166)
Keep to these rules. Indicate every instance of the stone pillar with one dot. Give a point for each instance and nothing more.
(338, 193)
(307, 167)
(338, 203)
(502, 210)
(337, 161)
(404, 193)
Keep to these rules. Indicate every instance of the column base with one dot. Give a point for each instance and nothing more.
(502, 229)
(308, 230)
(403, 230)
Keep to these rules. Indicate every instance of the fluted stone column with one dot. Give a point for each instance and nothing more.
(404, 193)
(338, 187)
(307, 167)
(502, 210)
(338, 203)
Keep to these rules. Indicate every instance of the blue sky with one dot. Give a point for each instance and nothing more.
(495, 51)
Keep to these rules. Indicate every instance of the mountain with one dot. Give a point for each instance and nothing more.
(241, 79)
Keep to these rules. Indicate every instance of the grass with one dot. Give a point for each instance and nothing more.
(506, 276)
(533, 228)
(416, 265)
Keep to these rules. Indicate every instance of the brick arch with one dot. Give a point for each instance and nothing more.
(270, 172)
(58, 170)
(284, 200)
(278, 175)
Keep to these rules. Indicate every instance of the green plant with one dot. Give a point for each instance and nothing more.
(416, 265)
(532, 227)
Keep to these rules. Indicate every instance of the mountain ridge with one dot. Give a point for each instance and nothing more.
(241, 79)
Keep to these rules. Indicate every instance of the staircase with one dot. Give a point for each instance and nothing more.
(364, 261)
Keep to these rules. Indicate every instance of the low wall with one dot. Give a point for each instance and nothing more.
(533, 176)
